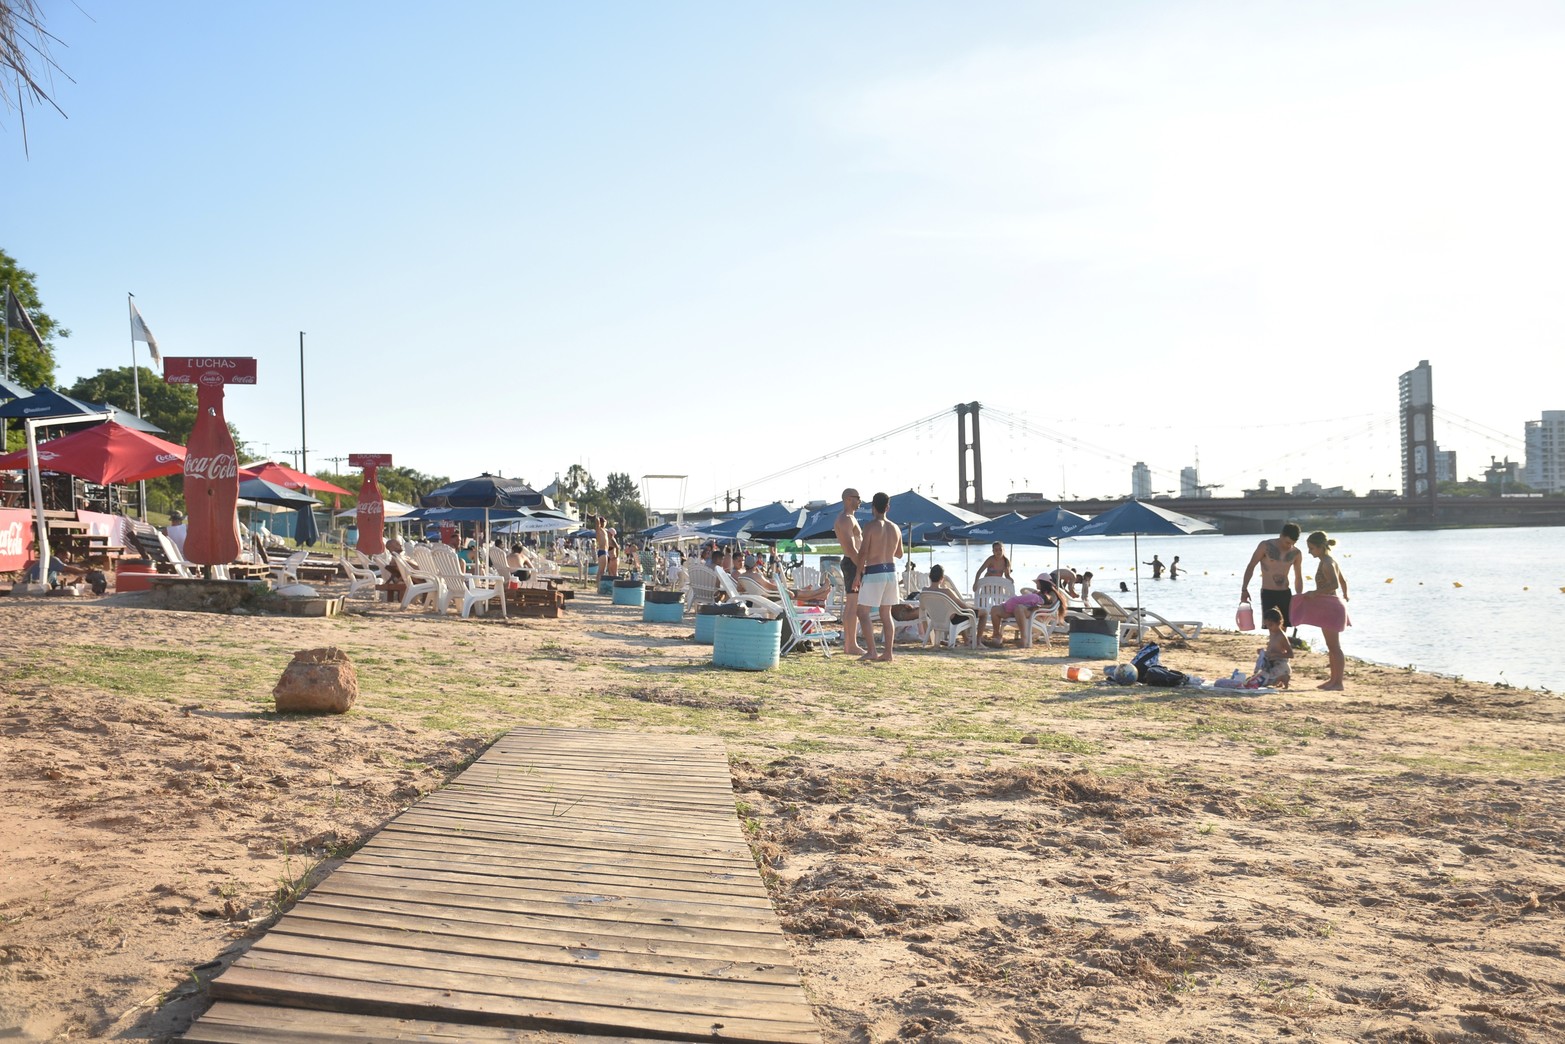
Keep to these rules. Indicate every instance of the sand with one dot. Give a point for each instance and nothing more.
(961, 846)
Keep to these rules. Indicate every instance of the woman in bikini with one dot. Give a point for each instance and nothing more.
(1326, 607)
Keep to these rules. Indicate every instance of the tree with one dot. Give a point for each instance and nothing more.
(171, 407)
(30, 364)
(624, 501)
(24, 57)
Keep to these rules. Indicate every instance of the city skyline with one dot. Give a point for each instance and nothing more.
(663, 240)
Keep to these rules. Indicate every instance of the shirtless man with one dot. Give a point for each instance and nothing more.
(1275, 558)
(600, 531)
(851, 539)
(878, 577)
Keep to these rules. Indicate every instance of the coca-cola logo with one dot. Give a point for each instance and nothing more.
(165, 458)
(11, 541)
(47, 455)
(371, 507)
(219, 466)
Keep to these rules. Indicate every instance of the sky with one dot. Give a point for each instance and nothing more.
(770, 247)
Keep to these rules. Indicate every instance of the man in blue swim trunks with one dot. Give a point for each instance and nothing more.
(849, 538)
(878, 583)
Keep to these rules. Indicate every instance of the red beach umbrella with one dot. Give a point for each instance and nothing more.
(291, 478)
(108, 454)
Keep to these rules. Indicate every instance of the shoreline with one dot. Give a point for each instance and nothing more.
(960, 845)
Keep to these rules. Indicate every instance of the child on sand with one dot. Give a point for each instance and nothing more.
(1271, 664)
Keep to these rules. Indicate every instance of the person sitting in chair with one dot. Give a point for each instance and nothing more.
(1022, 607)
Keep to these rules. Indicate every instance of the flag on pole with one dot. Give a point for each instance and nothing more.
(139, 332)
(16, 315)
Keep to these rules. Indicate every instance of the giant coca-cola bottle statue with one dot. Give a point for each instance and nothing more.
(211, 464)
(371, 512)
(211, 484)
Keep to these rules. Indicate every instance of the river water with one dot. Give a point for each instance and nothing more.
(1482, 604)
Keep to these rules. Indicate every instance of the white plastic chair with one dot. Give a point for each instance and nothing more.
(943, 619)
(417, 579)
(474, 589)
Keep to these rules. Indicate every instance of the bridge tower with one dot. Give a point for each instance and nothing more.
(1418, 443)
(968, 443)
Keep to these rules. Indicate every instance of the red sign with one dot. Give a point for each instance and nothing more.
(369, 460)
(208, 371)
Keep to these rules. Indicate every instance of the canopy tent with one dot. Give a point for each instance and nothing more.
(748, 524)
(128, 419)
(1013, 528)
(463, 514)
(11, 390)
(1135, 519)
(535, 524)
(263, 492)
(676, 531)
(921, 516)
(45, 406)
(108, 454)
(511, 498)
(485, 491)
(392, 509)
(290, 478)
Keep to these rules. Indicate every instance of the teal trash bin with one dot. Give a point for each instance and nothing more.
(1094, 640)
(706, 618)
(606, 583)
(663, 607)
(628, 592)
(746, 643)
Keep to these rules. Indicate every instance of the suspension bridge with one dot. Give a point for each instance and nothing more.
(959, 433)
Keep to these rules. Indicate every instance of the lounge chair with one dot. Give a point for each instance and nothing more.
(943, 620)
(362, 573)
(417, 580)
(1138, 622)
(474, 589)
(807, 627)
(730, 589)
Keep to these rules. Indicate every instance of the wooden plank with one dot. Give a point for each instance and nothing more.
(476, 921)
(227, 1022)
(545, 856)
(532, 868)
(446, 968)
(369, 994)
(559, 948)
(541, 886)
(570, 886)
(369, 890)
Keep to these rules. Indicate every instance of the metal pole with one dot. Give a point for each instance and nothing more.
(5, 425)
(304, 445)
(135, 377)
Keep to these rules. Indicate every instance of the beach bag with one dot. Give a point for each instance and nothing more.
(1164, 677)
(1145, 657)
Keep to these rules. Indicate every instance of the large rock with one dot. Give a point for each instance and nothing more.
(318, 681)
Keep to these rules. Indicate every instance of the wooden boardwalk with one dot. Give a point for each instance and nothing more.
(569, 886)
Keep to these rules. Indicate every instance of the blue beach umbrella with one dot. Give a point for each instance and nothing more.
(1136, 519)
(305, 530)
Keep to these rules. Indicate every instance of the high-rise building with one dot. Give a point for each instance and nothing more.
(1140, 481)
(1544, 467)
(1416, 388)
(1189, 482)
(1445, 465)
